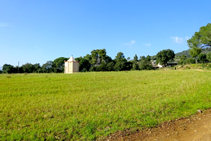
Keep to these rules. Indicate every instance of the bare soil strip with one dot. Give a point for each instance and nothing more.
(194, 128)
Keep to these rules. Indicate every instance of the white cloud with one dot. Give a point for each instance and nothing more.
(3, 24)
(187, 38)
(133, 42)
(177, 40)
(130, 43)
(148, 45)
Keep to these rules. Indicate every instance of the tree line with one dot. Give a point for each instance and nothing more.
(98, 60)
(56, 66)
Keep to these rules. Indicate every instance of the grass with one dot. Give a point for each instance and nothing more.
(205, 66)
(90, 106)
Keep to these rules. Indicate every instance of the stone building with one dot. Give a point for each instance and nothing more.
(71, 65)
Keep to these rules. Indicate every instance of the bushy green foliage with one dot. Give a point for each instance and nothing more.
(164, 56)
(120, 57)
(110, 66)
(98, 54)
(190, 61)
(202, 57)
(119, 66)
(135, 66)
(128, 65)
(84, 64)
(182, 60)
(183, 57)
(200, 40)
(59, 64)
(135, 63)
(48, 67)
(145, 63)
(209, 56)
(88, 106)
(93, 68)
(195, 51)
(209, 66)
(102, 67)
(7, 68)
(135, 58)
(185, 53)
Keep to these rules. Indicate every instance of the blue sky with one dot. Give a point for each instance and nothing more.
(37, 31)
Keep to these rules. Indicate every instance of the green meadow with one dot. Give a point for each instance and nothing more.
(90, 106)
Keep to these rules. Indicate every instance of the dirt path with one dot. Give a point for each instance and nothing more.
(194, 128)
(199, 70)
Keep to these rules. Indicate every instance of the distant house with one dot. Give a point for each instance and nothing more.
(161, 66)
(153, 63)
(172, 64)
(71, 65)
(156, 65)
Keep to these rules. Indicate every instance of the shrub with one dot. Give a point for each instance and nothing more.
(190, 61)
(202, 57)
(110, 66)
(209, 56)
(119, 66)
(209, 66)
(93, 68)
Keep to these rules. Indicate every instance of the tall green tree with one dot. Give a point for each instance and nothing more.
(120, 62)
(135, 58)
(110, 66)
(194, 52)
(108, 59)
(164, 56)
(28, 68)
(148, 58)
(98, 56)
(102, 55)
(200, 40)
(84, 64)
(135, 66)
(88, 57)
(135, 63)
(7, 68)
(142, 58)
(94, 55)
(37, 68)
(102, 67)
(182, 59)
(120, 57)
(145, 63)
(119, 66)
(48, 67)
(59, 64)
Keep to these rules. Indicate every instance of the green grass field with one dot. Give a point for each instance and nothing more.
(89, 106)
